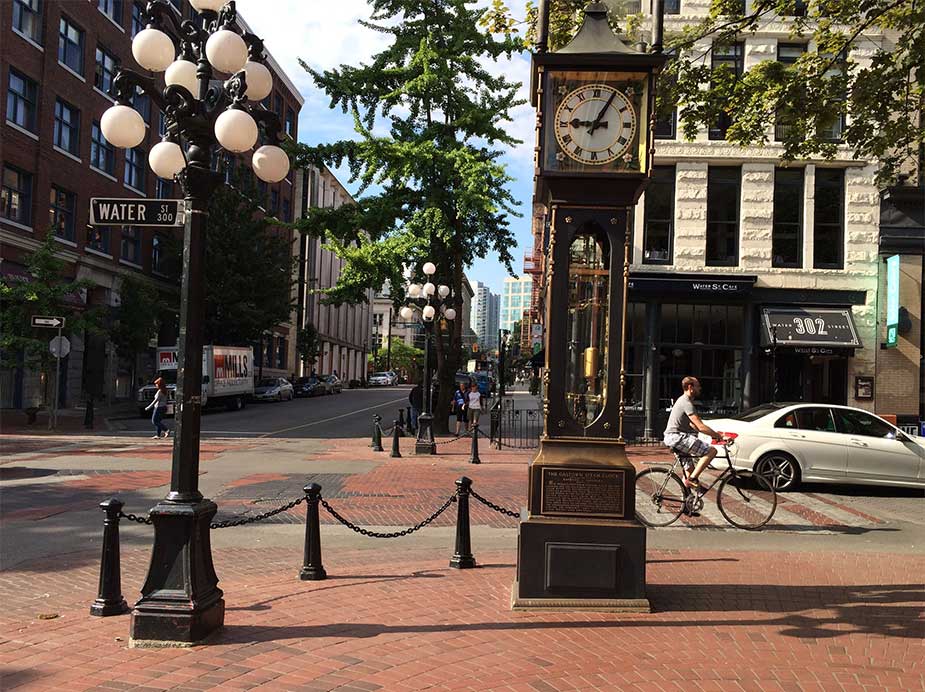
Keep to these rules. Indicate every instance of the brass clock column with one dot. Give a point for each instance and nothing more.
(580, 546)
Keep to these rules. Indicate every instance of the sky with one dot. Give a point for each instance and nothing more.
(327, 34)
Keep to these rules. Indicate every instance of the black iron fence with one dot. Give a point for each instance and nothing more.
(515, 424)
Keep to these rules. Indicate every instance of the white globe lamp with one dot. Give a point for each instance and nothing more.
(270, 163)
(183, 73)
(208, 5)
(235, 130)
(259, 80)
(226, 51)
(153, 50)
(443, 291)
(414, 290)
(450, 314)
(123, 126)
(429, 268)
(406, 313)
(429, 289)
(166, 159)
(429, 312)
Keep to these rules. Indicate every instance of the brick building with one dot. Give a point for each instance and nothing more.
(57, 63)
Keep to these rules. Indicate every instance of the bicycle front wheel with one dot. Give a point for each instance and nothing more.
(659, 497)
(746, 500)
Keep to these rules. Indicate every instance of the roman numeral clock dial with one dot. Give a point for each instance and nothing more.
(595, 124)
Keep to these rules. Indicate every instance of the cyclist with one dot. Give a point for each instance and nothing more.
(681, 432)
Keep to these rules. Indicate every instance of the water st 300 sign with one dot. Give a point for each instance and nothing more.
(107, 211)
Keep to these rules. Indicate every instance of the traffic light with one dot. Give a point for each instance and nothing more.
(475, 348)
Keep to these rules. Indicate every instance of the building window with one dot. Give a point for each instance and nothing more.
(16, 196)
(131, 245)
(290, 122)
(98, 238)
(666, 126)
(71, 45)
(112, 9)
(27, 19)
(163, 189)
(287, 211)
(799, 9)
(142, 104)
(135, 168)
(731, 57)
(21, 100)
(161, 123)
(106, 66)
(102, 153)
(67, 127)
(138, 18)
(723, 183)
(157, 254)
(828, 229)
(832, 130)
(672, 6)
(62, 205)
(787, 54)
(278, 104)
(658, 236)
(274, 201)
(787, 233)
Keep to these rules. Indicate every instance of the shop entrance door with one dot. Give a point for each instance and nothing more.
(828, 380)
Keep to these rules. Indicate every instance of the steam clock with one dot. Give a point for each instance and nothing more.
(580, 545)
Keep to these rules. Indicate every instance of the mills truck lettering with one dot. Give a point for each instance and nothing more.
(231, 366)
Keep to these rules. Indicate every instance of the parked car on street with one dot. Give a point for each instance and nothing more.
(308, 386)
(335, 386)
(794, 443)
(380, 379)
(274, 389)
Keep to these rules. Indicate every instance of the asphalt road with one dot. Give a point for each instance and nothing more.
(348, 414)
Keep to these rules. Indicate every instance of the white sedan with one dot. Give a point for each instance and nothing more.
(790, 443)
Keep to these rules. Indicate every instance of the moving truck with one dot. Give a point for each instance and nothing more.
(227, 377)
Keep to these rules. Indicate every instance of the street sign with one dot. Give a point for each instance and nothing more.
(59, 346)
(47, 321)
(892, 301)
(114, 211)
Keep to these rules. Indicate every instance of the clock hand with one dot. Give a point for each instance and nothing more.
(597, 120)
(576, 123)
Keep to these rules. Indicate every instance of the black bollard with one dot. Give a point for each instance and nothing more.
(110, 600)
(401, 422)
(462, 558)
(396, 433)
(377, 434)
(474, 457)
(312, 569)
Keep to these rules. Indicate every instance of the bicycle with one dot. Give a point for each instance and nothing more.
(745, 499)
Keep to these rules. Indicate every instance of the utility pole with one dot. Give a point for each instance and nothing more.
(388, 353)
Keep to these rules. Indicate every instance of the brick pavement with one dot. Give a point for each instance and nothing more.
(722, 621)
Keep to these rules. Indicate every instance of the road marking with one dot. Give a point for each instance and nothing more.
(837, 514)
(328, 420)
(42, 480)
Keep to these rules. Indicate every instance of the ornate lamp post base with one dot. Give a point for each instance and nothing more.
(181, 603)
(425, 443)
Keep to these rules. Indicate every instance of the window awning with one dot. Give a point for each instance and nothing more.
(832, 327)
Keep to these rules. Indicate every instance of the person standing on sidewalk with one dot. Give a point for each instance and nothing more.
(416, 399)
(474, 405)
(459, 407)
(159, 404)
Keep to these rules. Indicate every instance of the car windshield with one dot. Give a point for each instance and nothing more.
(267, 383)
(380, 374)
(302, 380)
(752, 414)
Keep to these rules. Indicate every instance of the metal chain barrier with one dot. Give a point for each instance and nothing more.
(453, 439)
(493, 506)
(373, 534)
(135, 518)
(242, 520)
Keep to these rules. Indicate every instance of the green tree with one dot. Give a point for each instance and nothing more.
(47, 290)
(307, 344)
(441, 191)
(138, 317)
(883, 97)
(403, 358)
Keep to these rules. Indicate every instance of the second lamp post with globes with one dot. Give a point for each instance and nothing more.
(429, 299)
(181, 601)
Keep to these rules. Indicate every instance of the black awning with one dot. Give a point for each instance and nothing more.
(538, 359)
(798, 327)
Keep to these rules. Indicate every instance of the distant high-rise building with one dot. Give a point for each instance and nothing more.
(486, 308)
(515, 300)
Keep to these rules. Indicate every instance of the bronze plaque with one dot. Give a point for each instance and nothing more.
(577, 492)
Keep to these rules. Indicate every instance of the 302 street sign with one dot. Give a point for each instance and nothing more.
(47, 321)
(108, 211)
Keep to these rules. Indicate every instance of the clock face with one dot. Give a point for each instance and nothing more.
(595, 124)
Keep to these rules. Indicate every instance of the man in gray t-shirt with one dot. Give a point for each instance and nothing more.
(683, 425)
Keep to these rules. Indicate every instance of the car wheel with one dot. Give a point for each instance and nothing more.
(779, 469)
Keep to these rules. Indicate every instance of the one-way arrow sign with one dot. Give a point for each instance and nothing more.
(46, 321)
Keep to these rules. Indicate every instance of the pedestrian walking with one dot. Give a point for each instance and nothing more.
(474, 404)
(458, 406)
(159, 404)
(416, 399)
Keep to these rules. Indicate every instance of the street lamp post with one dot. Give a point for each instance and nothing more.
(181, 601)
(423, 298)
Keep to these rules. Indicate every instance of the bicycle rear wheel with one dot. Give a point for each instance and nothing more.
(659, 497)
(746, 500)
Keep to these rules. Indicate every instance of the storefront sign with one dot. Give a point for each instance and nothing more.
(106, 211)
(700, 286)
(817, 327)
(892, 301)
